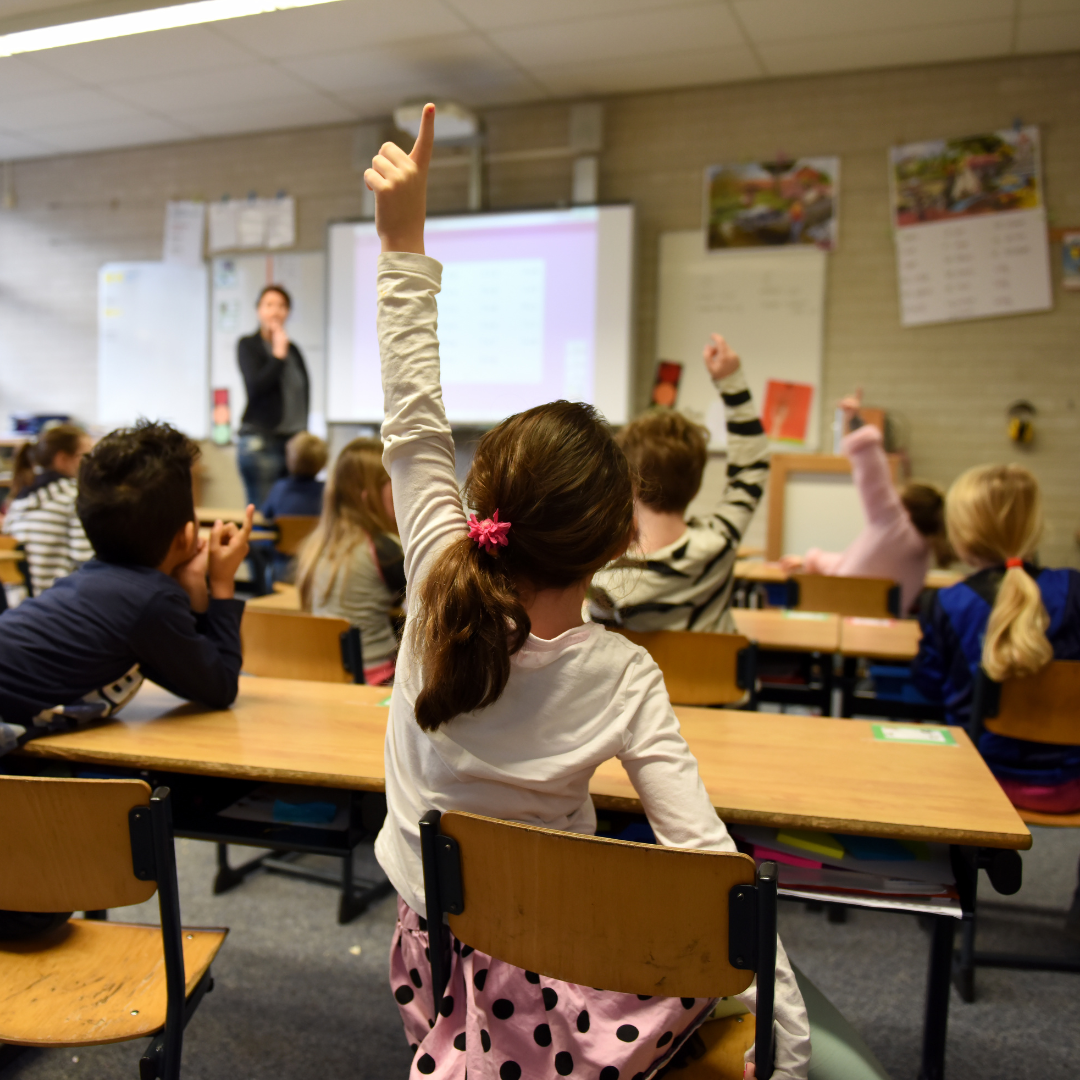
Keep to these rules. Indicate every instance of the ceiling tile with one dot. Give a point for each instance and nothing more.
(23, 78)
(221, 88)
(28, 115)
(342, 25)
(132, 131)
(298, 110)
(1049, 33)
(499, 14)
(642, 33)
(165, 52)
(852, 52)
(699, 66)
(785, 20)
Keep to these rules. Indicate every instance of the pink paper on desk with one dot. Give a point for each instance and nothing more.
(784, 857)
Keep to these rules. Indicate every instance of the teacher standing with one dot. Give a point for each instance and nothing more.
(276, 379)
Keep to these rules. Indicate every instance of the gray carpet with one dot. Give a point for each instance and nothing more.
(293, 1001)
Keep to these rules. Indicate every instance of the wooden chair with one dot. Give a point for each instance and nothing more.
(87, 845)
(855, 597)
(701, 668)
(13, 572)
(292, 531)
(296, 645)
(686, 924)
(1041, 708)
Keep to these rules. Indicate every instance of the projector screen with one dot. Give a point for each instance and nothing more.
(535, 306)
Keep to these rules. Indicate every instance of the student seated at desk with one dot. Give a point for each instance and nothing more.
(679, 573)
(904, 529)
(156, 602)
(42, 512)
(352, 566)
(299, 494)
(1011, 617)
(505, 701)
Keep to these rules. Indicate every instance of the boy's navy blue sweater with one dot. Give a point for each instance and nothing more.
(294, 496)
(93, 626)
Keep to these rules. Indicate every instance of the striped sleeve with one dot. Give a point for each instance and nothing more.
(747, 459)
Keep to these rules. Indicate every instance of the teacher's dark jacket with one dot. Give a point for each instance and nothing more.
(262, 377)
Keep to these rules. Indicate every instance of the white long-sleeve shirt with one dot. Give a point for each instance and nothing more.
(570, 703)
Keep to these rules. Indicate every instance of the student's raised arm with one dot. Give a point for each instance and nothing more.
(748, 445)
(419, 448)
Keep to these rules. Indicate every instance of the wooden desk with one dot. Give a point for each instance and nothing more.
(10, 555)
(771, 573)
(880, 639)
(207, 515)
(256, 534)
(283, 598)
(799, 631)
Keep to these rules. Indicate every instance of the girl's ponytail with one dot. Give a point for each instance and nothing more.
(994, 516)
(471, 623)
(1016, 644)
(22, 471)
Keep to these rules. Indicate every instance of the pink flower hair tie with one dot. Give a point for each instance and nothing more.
(490, 533)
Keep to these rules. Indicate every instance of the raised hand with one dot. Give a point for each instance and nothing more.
(228, 548)
(399, 181)
(720, 358)
(851, 406)
(192, 576)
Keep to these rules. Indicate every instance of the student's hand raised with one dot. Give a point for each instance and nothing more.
(720, 358)
(228, 548)
(399, 181)
(192, 576)
(850, 406)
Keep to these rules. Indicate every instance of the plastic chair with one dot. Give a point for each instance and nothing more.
(292, 531)
(855, 597)
(88, 845)
(296, 645)
(701, 668)
(1041, 708)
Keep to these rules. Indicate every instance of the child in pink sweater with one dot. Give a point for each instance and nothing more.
(904, 529)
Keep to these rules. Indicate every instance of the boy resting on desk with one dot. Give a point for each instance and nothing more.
(680, 572)
(156, 602)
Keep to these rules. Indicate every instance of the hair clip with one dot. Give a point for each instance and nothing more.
(489, 533)
(1010, 563)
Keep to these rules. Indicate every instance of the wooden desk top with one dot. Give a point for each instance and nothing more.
(283, 598)
(11, 555)
(760, 768)
(207, 515)
(880, 639)
(773, 628)
(256, 534)
(748, 569)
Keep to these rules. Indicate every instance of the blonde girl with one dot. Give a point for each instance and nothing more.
(1010, 617)
(505, 701)
(351, 565)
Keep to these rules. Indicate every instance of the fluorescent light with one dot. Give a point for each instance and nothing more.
(141, 22)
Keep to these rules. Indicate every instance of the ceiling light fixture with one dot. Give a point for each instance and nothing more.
(141, 22)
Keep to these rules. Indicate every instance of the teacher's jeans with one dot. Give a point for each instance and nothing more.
(261, 459)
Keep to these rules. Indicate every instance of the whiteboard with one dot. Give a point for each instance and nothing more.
(152, 345)
(237, 281)
(821, 510)
(768, 303)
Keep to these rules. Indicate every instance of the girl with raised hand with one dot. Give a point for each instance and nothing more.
(505, 702)
(1011, 617)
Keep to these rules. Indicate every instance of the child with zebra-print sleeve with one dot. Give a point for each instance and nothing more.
(680, 572)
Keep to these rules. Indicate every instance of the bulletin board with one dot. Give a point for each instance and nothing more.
(236, 281)
(152, 345)
(769, 304)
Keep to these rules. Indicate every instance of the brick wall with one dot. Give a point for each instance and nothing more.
(947, 386)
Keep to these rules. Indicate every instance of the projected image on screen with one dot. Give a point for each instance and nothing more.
(534, 307)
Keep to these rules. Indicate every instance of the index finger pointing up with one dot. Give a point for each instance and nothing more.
(421, 151)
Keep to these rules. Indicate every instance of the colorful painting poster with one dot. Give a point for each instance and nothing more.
(666, 388)
(949, 179)
(1070, 261)
(772, 203)
(787, 410)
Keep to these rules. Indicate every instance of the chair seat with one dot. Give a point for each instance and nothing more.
(1061, 821)
(727, 1041)
(93, 982)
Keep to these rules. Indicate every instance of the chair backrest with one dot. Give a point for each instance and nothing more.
(855, 597)
(292, 531)
(700, 668)
(1041, 708)
(65, 845)
(11, 572)
(296, 645)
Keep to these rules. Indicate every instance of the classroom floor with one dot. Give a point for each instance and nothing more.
(293, 1001)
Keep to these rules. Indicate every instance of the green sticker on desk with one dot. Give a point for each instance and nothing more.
(385, 700)
(914, 733)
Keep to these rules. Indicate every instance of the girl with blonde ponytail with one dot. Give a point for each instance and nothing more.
(505, 701)
(1011, 618)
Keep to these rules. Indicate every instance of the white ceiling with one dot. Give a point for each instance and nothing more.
(357, 59)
